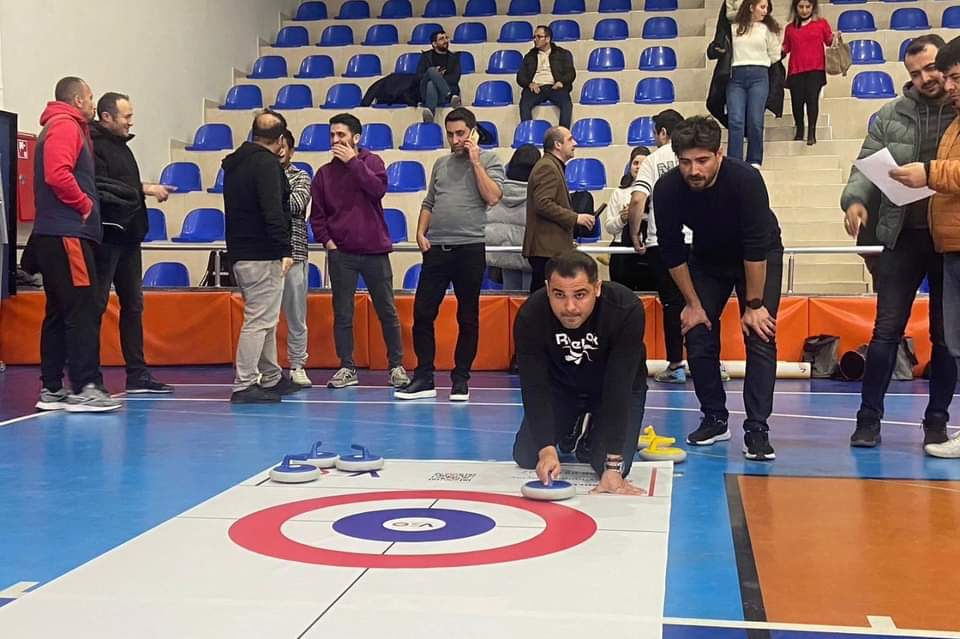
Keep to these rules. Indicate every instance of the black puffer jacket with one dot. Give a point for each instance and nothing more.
(115, 160)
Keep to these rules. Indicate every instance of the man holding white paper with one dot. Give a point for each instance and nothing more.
(910, 128)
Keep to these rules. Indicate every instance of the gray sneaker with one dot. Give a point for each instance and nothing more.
(52, 400)
(92, 400)
(343, 378)
(427, 115)
(399, 377)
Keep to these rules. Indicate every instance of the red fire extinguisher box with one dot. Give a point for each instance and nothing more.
(26, 205)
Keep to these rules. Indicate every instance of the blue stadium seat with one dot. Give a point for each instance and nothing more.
(658, 59)
(396, 224)
(530, 132)
(660, 28)
(642, 131)
(311, 238)
(314, 276)
(909, 19)
(950, 18)
(381, 35)
(294, 96)
(660, 5)
(184, 176)
(407, 63)
(470, 33)
(296, 36)
(243, 96)
(268, 67)
(492, 131)
(336, 35)
(600, 91)
(166, 275)
(467, 64)
(611, 29)
(202, 225)
(422, 32)
(592, 132)
(506, 61)
(412, 277)
(568, 7)
(565, 30)
(606, 59)
(314, 137)
(903, 49)
(315, 66)
(586, 174)
(343, 96)
(654, 91)
(354, 10)
(516, 31)
(848, 1)
(523, 8)
(311, 11)
(422, 136)
(480, 8)
(212, 137)
(363, 65)
(488, 284)
(305, 167)
(217, 183)
(406, 176)
(615, 6)
(493, 93)
(868, 85)
(376, 136)
(440, 9)
(593, 236)
(856, 21)
(396, 10)
(866, 52)
(873, 116)
(156, 226)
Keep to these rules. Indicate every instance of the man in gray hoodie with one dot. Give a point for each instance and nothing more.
(910, 127)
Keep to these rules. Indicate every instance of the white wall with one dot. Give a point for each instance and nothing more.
(168, 56)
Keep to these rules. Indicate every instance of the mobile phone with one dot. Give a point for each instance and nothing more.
(475, 136)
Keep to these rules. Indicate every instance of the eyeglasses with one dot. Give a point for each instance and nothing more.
(539, 37)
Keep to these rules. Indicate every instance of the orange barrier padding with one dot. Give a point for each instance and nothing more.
(493, 350)
(851, 318)
(20, 328)
(321, 351)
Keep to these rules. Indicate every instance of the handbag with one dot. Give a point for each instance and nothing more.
(838, 56)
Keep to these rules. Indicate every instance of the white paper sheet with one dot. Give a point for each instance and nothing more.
(877, 169)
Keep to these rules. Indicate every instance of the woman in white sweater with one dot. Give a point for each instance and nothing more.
(756, 45)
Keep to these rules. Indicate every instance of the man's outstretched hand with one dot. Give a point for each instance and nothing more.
(613, 483)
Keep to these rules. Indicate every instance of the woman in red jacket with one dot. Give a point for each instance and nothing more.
(804, 39)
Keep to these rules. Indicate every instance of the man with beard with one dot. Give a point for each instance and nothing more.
(439, 74)
(736, 246)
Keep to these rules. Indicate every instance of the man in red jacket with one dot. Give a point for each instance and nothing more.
(347, 218)
(66, 229)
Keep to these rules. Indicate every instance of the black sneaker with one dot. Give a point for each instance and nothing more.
(148, 385)
(934, 433)
(255, 394)
(460, 392)
(756, 446)
(711, 430)
(419, 388)
(285, 386)
(866, 435)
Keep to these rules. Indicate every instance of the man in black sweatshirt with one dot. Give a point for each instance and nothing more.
(256, 202)
(438, 73)
(736, 246)
(580, 351)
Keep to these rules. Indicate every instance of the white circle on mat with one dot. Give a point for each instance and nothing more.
(414, 524)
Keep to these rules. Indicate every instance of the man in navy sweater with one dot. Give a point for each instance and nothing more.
(736, 246)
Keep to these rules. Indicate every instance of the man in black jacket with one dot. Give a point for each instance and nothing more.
(118, 258)
(256, 201)
(439, 75)
(547, 73)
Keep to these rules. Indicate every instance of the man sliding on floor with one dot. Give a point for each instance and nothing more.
(580, 351)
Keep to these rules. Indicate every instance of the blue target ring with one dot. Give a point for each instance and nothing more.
(414, 525)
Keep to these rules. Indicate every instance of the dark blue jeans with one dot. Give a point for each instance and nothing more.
(434, 89)
(951, 302)
(746, 100)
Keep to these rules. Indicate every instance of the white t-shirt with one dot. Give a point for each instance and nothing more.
(543, 75)
(656, 164)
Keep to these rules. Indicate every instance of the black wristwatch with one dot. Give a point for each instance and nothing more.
(755, 303)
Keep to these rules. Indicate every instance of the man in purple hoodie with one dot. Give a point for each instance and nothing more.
(347, 218)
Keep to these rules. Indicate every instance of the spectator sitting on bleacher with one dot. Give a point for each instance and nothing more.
(546, 73)
(439, 75)
(507, 219)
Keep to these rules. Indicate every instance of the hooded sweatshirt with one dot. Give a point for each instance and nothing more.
(115, 160)
(65, 186)
(256, 198)
(506, 223)
(933, 118)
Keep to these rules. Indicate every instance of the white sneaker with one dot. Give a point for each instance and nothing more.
(299, 377)
(949, 449)
(343, 378)
(92, 400)
(399, 377)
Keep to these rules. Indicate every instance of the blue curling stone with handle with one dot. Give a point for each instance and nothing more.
(364, 462)
(557, 490)
(294, 469)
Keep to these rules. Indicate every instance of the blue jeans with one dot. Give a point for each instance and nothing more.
(951, 302)
(746, 101)
(434, 89)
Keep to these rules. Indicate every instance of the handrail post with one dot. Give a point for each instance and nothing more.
(791, 268)
(216, 268)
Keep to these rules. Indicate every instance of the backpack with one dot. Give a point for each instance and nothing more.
(226, 271)
(582, 202)
(821, 352)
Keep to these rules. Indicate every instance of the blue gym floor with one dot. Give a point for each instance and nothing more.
(74, 486)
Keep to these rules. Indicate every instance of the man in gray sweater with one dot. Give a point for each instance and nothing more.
(450, 233)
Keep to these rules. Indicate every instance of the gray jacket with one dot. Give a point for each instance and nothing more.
(506, 223)
(898, 127)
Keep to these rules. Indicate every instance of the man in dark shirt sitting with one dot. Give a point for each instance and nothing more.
(439, 75)
(580, 350)
(736, 246)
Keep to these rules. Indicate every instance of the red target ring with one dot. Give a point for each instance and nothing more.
(261, 532)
